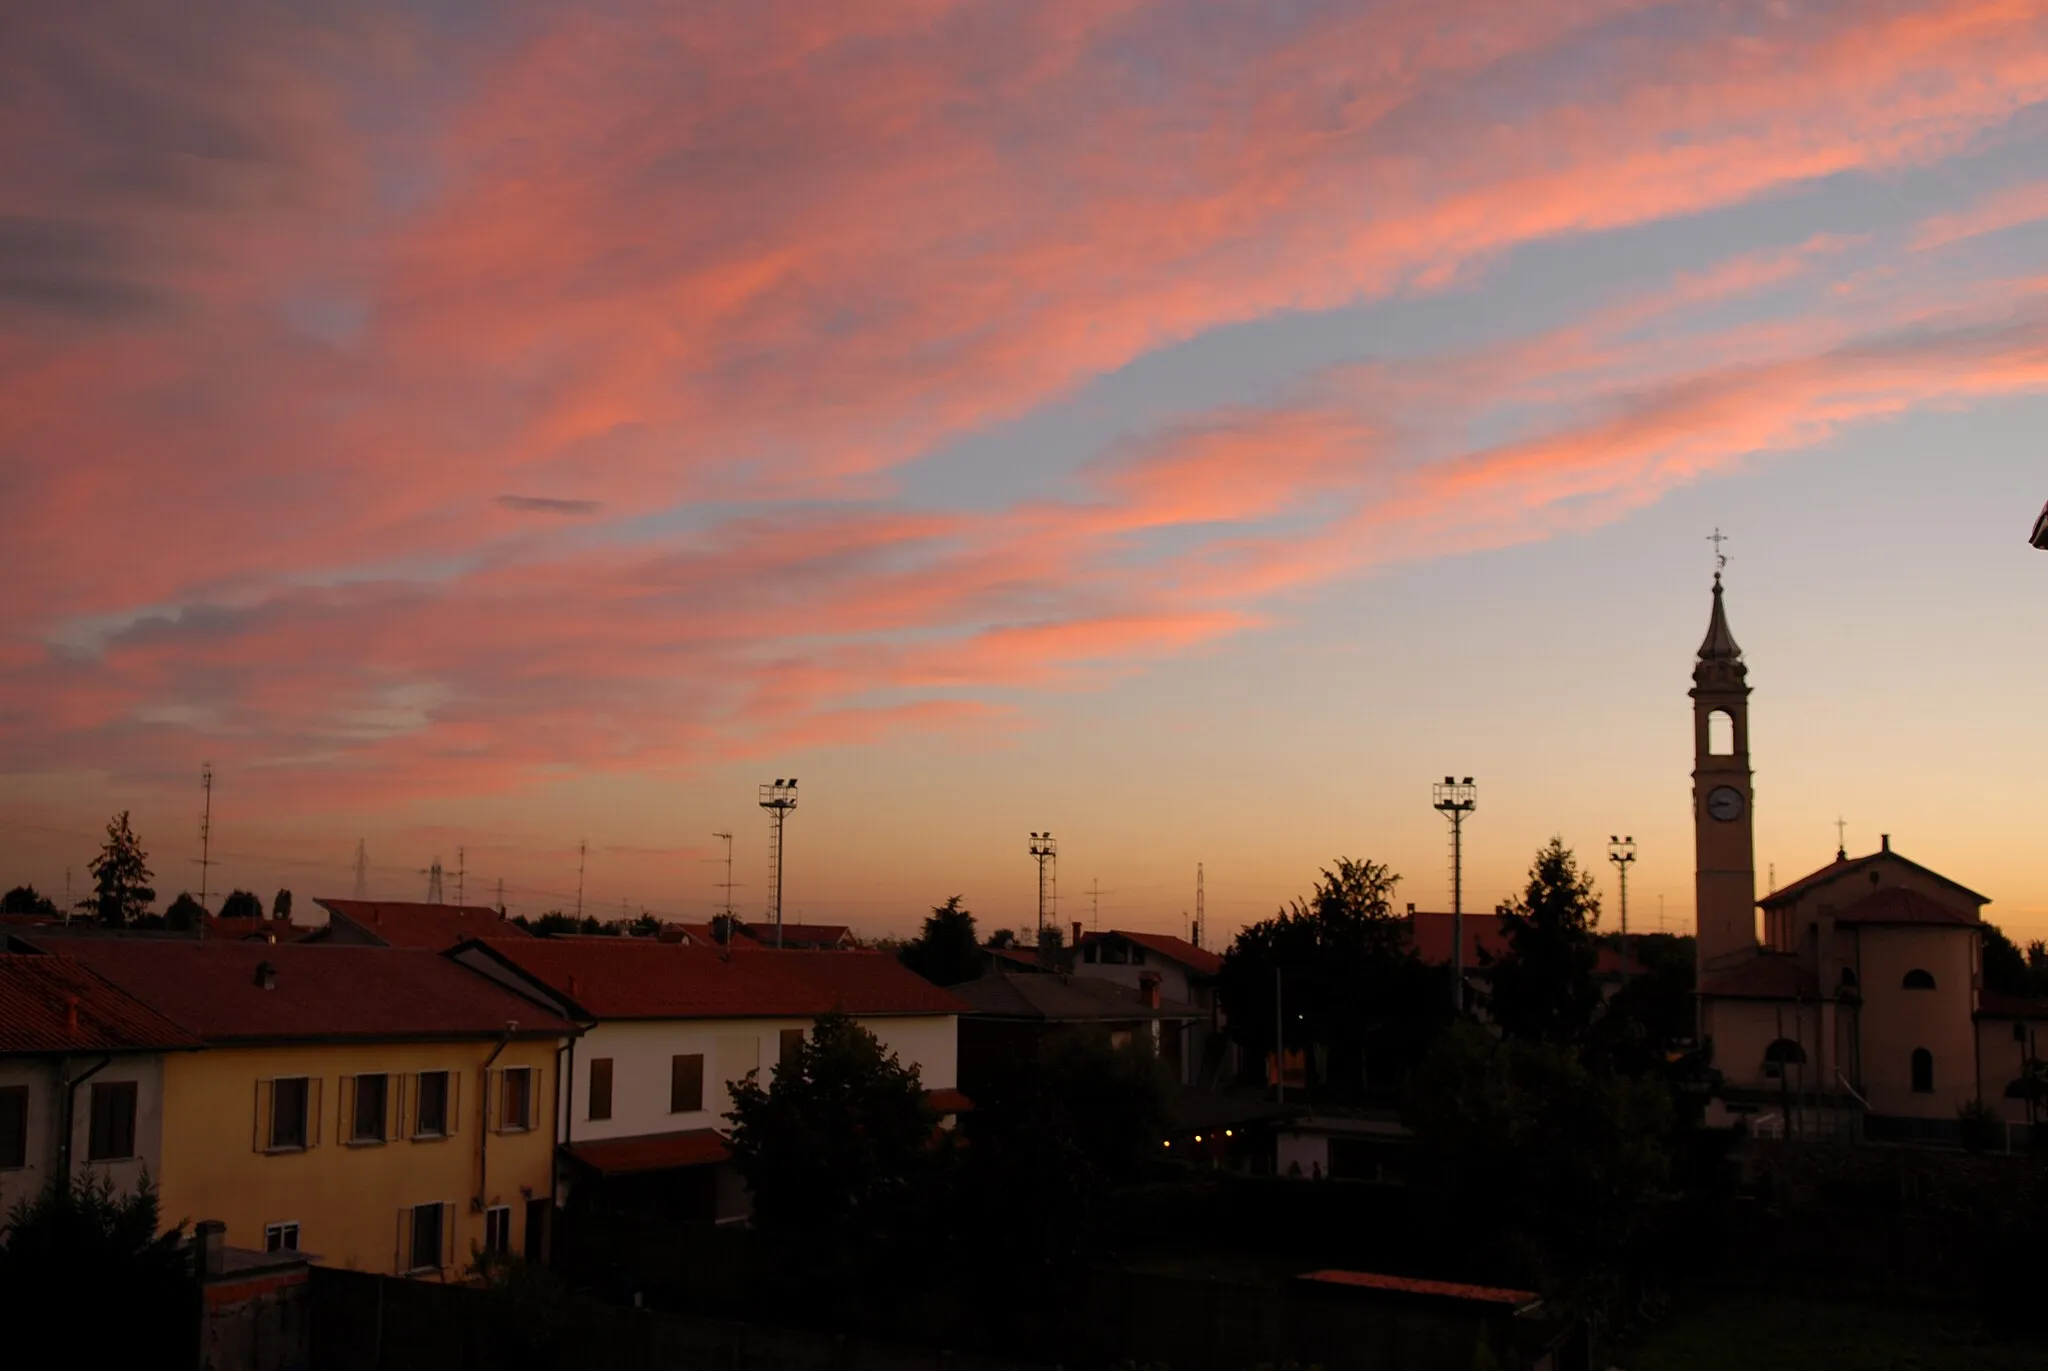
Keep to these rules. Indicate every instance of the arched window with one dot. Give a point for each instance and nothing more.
(1916, 979)
(1720, 734)
(1785, 1052)
(1923, 1071)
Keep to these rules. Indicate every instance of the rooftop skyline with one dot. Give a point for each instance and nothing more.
(1187, 428)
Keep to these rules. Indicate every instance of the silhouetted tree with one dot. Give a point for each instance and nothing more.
(24, 899)
(121, 890)
(2006, 968)
(1543, 1167)
(281, 906)
(837, 1144)
(184, 914)
(646, 926)
(1349, 983)
(549, 924)
(241, 904)
(1002, 939)
(946, 952)
(65, 1252)
(724, 926)
(1544, 987)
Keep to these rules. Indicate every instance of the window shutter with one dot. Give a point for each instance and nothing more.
(447, 1235)
(405, 1091)
(345, 1111)
(532, 1119)
(401, 1259)
(454, 1109)
(262, 1130)
(313, 1084)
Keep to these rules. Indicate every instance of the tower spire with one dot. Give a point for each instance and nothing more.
(1719, 644)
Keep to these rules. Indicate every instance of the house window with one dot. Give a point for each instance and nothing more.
(427, 1229)
(113, 1122)
(686, 1083)
(792, 1042)
(1916, 979)
(13, 1127)
(515, 1107)
(430, 1112)
(1923, 1071)
(498, 1229)
(600, 1087)
(290, 1100)
(281, 1237)
(372, 1098)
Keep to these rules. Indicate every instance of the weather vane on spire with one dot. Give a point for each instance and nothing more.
(1717, 537)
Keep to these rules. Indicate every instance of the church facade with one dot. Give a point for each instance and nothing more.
(1860, 1009)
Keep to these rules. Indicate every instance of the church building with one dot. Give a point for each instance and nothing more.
(1861, 1011)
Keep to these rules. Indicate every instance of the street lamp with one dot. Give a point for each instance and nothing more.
(1622, 852)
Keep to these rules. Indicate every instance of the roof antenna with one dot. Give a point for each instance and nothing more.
(1841, 839)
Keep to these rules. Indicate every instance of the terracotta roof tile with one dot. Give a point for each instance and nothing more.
(1847, 866)
(1766, 976)
(1199, 959)
(1410, 1285)
(1894, 904)
(53, 1004)
(436, 927)
(1063, 998)
(652, 1152)
(946, 1101)
(1429, 936)
(806, 935)
(616, 978)
(322, 990)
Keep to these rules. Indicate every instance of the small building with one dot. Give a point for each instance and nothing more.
(381, 1107)
(804, 937)
(1186, 975)
(667, 1027)
(1010, 1017)
(81, 1078)
(404, 923)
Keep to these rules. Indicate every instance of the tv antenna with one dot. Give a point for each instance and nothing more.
(582, 860)
(433, 875)
(1201, 909)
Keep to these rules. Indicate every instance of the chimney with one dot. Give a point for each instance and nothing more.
(1884, 842)
(1077, 935)
(266, 975)
(71, 1015)
(1148, 989)
(209, 1240)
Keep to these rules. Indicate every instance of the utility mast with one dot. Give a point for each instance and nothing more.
(778, 799)
(1455, 799)
(1201, 910)
(1045, 849)
(205, 830)
(582, 860)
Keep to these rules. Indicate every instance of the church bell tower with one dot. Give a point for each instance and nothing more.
(1724, 878)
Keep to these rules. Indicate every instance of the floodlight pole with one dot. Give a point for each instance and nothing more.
(1455, 799)
(1046, 849)
(778, 798)
(1622, 852)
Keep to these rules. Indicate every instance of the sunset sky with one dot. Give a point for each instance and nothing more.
(1189, 427)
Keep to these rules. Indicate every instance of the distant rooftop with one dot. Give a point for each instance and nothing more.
(436, 927)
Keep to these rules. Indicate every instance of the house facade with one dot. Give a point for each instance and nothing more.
(81, 1078)
(666, 1027)
(378, 1108)
(1181, 974)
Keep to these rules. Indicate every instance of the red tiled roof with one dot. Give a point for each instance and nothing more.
(818, 935)
(702, 934)
(1790, 894)
(616, 978)
(1894, 904)
(1024, 958)
(436, 927)
(1429, 935)
(322, 990)
(53, 1004)
(652, 1152)
(254, 930)
(1199, 959)
(1409, 1285)
(945, 1101)
(1993, 1005)
(1766, 976)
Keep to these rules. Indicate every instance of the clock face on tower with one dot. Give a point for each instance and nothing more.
(1724, 802)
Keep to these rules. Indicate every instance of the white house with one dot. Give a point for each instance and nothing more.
(668, 1026)
(81, 1078)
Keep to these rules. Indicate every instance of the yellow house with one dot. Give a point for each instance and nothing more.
(382, 1109)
